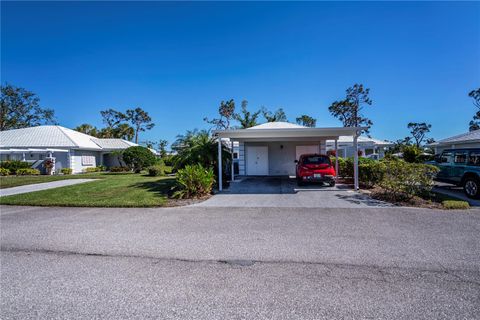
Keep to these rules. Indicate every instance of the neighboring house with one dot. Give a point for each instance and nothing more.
(366, 145)
(70, 148)
(270, 149)
(465, 140)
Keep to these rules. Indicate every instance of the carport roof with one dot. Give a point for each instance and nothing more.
(278, 130)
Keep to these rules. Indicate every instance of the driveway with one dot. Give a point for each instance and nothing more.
(283, 192)
(239, 263)
(454, 191)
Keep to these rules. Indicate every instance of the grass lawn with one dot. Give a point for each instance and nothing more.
(110, 190)
(15, 181)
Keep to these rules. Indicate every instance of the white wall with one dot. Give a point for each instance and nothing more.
(281, 161)
(76, 160)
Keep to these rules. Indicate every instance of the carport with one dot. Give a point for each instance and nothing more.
(270, 149)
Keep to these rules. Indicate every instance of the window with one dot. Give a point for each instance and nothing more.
(316, 160)
(88, 160)
(235, 155)
(460, 157)
(447, 157)
(474, 158)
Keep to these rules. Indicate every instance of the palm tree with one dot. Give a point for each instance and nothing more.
(87, 129)
(246, 119)
(198, 147)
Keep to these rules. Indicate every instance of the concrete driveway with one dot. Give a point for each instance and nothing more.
(240, 263)
(283, 192)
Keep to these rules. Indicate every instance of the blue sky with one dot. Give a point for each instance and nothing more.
(179, 60)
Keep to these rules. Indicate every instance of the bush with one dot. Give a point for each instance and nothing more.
(66, 171)
(168, 160)
(156, 170)
(101, 168)
(138, 158)
(4, 172)
(120, 169)
(90, 169)
(27, 172)
(194, 181)
(403, 180)
(411, 153)
(371, 173)
(14, 165)
(455, 204)
(345, 165)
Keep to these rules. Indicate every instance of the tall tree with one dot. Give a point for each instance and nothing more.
(87, 129)
(162, 147)
(140, 121)
(349, 110)
(277, 116)
(475, 123)
(246, 118)
(226, 112)
(419, 131)
(306, 121)
(20, 108)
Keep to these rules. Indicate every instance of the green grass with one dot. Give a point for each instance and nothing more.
(15, 181)
(455, 204)
(110, 190)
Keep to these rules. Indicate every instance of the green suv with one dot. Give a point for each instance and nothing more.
(462, 168)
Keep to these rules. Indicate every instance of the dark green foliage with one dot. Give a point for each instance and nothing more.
(20, 108)
(4, 172)
(226, 112)
(419, 131)
(140, 120)
(371, 173)
(411, 153)
(120, 169)
(246, 118)
(194, 181)
(306, 121)
(66, 171)
(475, 123)
(156, 170)
(138, 158)
(14, 165)
(277, 116)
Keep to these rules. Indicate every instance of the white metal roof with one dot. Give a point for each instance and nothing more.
(276, 125)
(361, 140)
(469, 137)
(57, 137)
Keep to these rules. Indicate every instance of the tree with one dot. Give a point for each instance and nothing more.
(138, 158)
(276, 116)
(349, 110)
(162, 148)
(87, 129)
(140, 120)
(475, 123)
(306, 121)
(20, 108)
(419, 131)
(198, 147)
(246, 118)
(226, 112)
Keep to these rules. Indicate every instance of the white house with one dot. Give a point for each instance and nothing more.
(70, 148)
(465, 140)
(366, 145)
(270, 149)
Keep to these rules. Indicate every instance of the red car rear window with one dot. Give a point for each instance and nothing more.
(316, 160)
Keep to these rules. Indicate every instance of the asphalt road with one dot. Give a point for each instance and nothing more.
(234, 263)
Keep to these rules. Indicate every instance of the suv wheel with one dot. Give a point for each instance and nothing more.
(471, 187)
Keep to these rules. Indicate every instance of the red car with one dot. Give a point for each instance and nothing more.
(315, 168)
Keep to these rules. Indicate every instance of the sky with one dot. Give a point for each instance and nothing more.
(178, 60)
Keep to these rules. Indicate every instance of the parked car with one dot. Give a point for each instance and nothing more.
(462, 168)
(373, 156)
(315, 168)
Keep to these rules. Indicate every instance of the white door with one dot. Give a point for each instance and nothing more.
(257, 161)
(307, 150)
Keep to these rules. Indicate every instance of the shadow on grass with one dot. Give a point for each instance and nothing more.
(161, 187)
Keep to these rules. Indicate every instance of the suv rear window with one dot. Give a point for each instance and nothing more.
(474, 158)
(316, 160)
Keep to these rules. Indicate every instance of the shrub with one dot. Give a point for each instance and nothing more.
(90, 169)
(371, 173)
(66, 171)
(156, 170)
(27, 172)
(194, 181)
(138, 158)
(120, 169)
(101, 168)
(411, 153)
(14, 165)
(455, 204)
(4, 172)
(345, 165)
(403, 180)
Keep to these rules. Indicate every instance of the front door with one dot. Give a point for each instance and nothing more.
(257, 161)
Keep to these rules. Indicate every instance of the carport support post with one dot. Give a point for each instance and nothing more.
(355, 161)
(233, 173)
(220, 188)
(336, 159)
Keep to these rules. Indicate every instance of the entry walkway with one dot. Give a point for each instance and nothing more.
(283, 192)
(41, 186)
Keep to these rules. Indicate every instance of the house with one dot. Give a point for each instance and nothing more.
(68, 148)
(366, 146)
(270, 149)
(465, 140)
